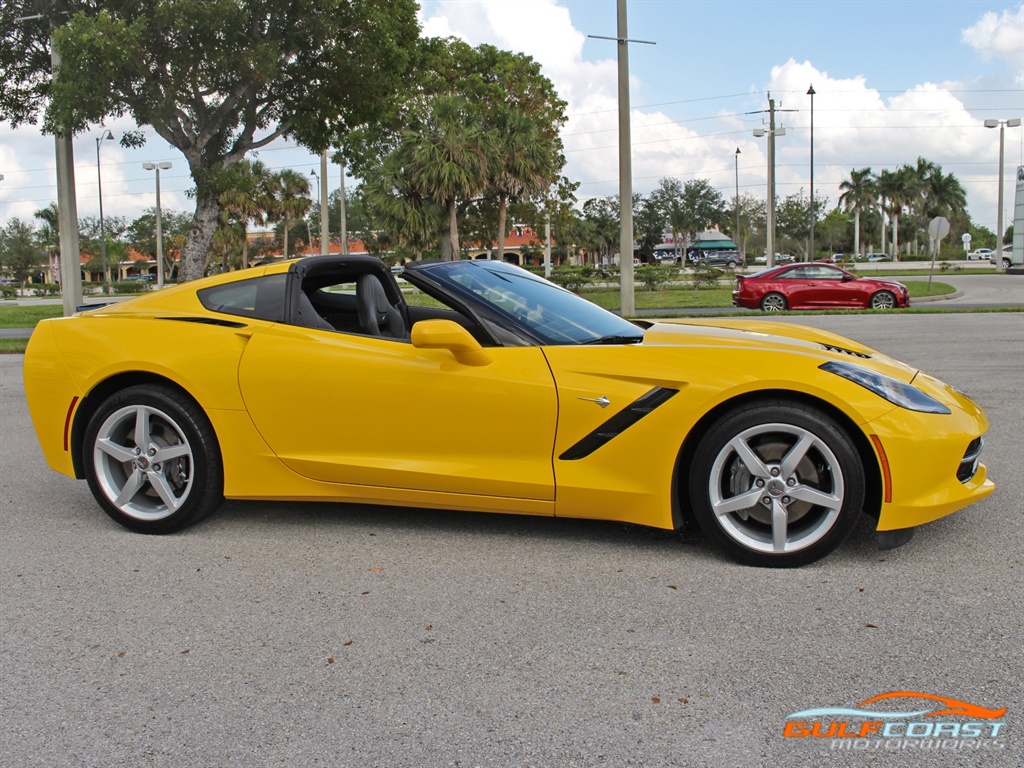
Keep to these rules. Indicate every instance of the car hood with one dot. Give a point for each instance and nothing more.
(774, 335)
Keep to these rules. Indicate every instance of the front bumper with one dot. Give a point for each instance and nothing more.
(933, 460)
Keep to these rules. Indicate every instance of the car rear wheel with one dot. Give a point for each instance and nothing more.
(774, 302)
(1006, 263)
(776, 485)
(883, 300)
(152, 460)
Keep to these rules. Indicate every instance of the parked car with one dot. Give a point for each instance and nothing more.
(521, 398)
(878, 257)
(813, 286)
(780, 258)
(981, 254)
(715, 257)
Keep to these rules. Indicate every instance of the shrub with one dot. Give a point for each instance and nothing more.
(654, 278)
(46, 289)
(705, 276)
(129, 286)
(572, 278)
(8, 292)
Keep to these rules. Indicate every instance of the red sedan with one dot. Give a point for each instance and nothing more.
(813, 286)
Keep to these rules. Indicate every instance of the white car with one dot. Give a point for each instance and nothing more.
(981, 254)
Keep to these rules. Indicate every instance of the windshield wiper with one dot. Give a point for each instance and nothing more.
(615, 339)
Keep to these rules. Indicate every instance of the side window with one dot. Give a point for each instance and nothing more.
(261, 298)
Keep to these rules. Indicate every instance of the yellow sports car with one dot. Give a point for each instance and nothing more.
(315, 380)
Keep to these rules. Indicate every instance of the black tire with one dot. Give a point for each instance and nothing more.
(1006, 263)
(171, 481)
(883, 300)
(802, 504)
(774, 302)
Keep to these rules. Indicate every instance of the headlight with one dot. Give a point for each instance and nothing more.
(893, 390)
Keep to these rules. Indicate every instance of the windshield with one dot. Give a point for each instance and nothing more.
(552, 314)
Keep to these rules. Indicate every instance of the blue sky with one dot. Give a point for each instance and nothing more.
(894, 80)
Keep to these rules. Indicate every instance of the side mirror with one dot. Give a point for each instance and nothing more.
(848, 278)
(446, 334)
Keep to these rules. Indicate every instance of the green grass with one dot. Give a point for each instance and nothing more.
(13, 346)
(919, 288)
(670, 298)
(27, 317)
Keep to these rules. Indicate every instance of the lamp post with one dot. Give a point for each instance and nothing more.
(814, 219)
(159, 231)
(325, 231)
(771, 132)
(323, 212)
(106, 136)
(737, 158)
(341, 211)
(1002, 125)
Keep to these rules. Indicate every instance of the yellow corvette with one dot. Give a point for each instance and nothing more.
(315, 380)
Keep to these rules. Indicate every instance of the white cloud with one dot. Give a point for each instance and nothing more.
(999, 35)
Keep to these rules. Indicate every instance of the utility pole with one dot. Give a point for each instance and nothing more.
(814, 218)
(325, 231)
(628, 299)
(67, 206)
(341, 206)
(772, 131)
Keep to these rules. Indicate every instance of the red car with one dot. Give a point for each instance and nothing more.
(813, 286)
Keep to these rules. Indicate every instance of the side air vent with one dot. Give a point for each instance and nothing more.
(969, 463)
(844, 351)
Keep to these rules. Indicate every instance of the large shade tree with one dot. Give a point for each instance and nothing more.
(214, 78)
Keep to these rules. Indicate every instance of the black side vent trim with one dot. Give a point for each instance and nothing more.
(844, 351)
(619, 423)
(206, 321)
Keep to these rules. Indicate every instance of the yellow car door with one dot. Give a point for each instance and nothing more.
(369, 411)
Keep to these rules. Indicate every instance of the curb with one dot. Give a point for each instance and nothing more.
(943, 297)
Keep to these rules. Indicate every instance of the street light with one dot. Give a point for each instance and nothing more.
(814, 220)
(309, 232)
(1002, 125)
(771, 133)
(737, 158)
(106, 136)
(159, 231)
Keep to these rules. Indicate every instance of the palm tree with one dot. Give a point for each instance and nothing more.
(248, 198)
(858, 194)
(290, 191)
(900, 189)
(523, 163)
(397, 207)
(448, 156)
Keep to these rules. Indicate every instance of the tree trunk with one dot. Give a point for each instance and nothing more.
(896, 237)
(453, 228)
(245, 250)
(287, 226)
(856, 233)
(197, 244)
(502, 210)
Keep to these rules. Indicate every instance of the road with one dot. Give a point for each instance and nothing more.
(284, 634)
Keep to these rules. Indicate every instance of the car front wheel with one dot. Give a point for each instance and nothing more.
(152, 460)
(883, 300)
(776, 485)
(774, 302)
(1006, 263)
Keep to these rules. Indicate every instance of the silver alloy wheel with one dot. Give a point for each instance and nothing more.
(883, 300)
(143, 462)
(773, 302)
(776, 488)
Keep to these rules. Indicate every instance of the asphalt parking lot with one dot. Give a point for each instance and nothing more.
(282, 634)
